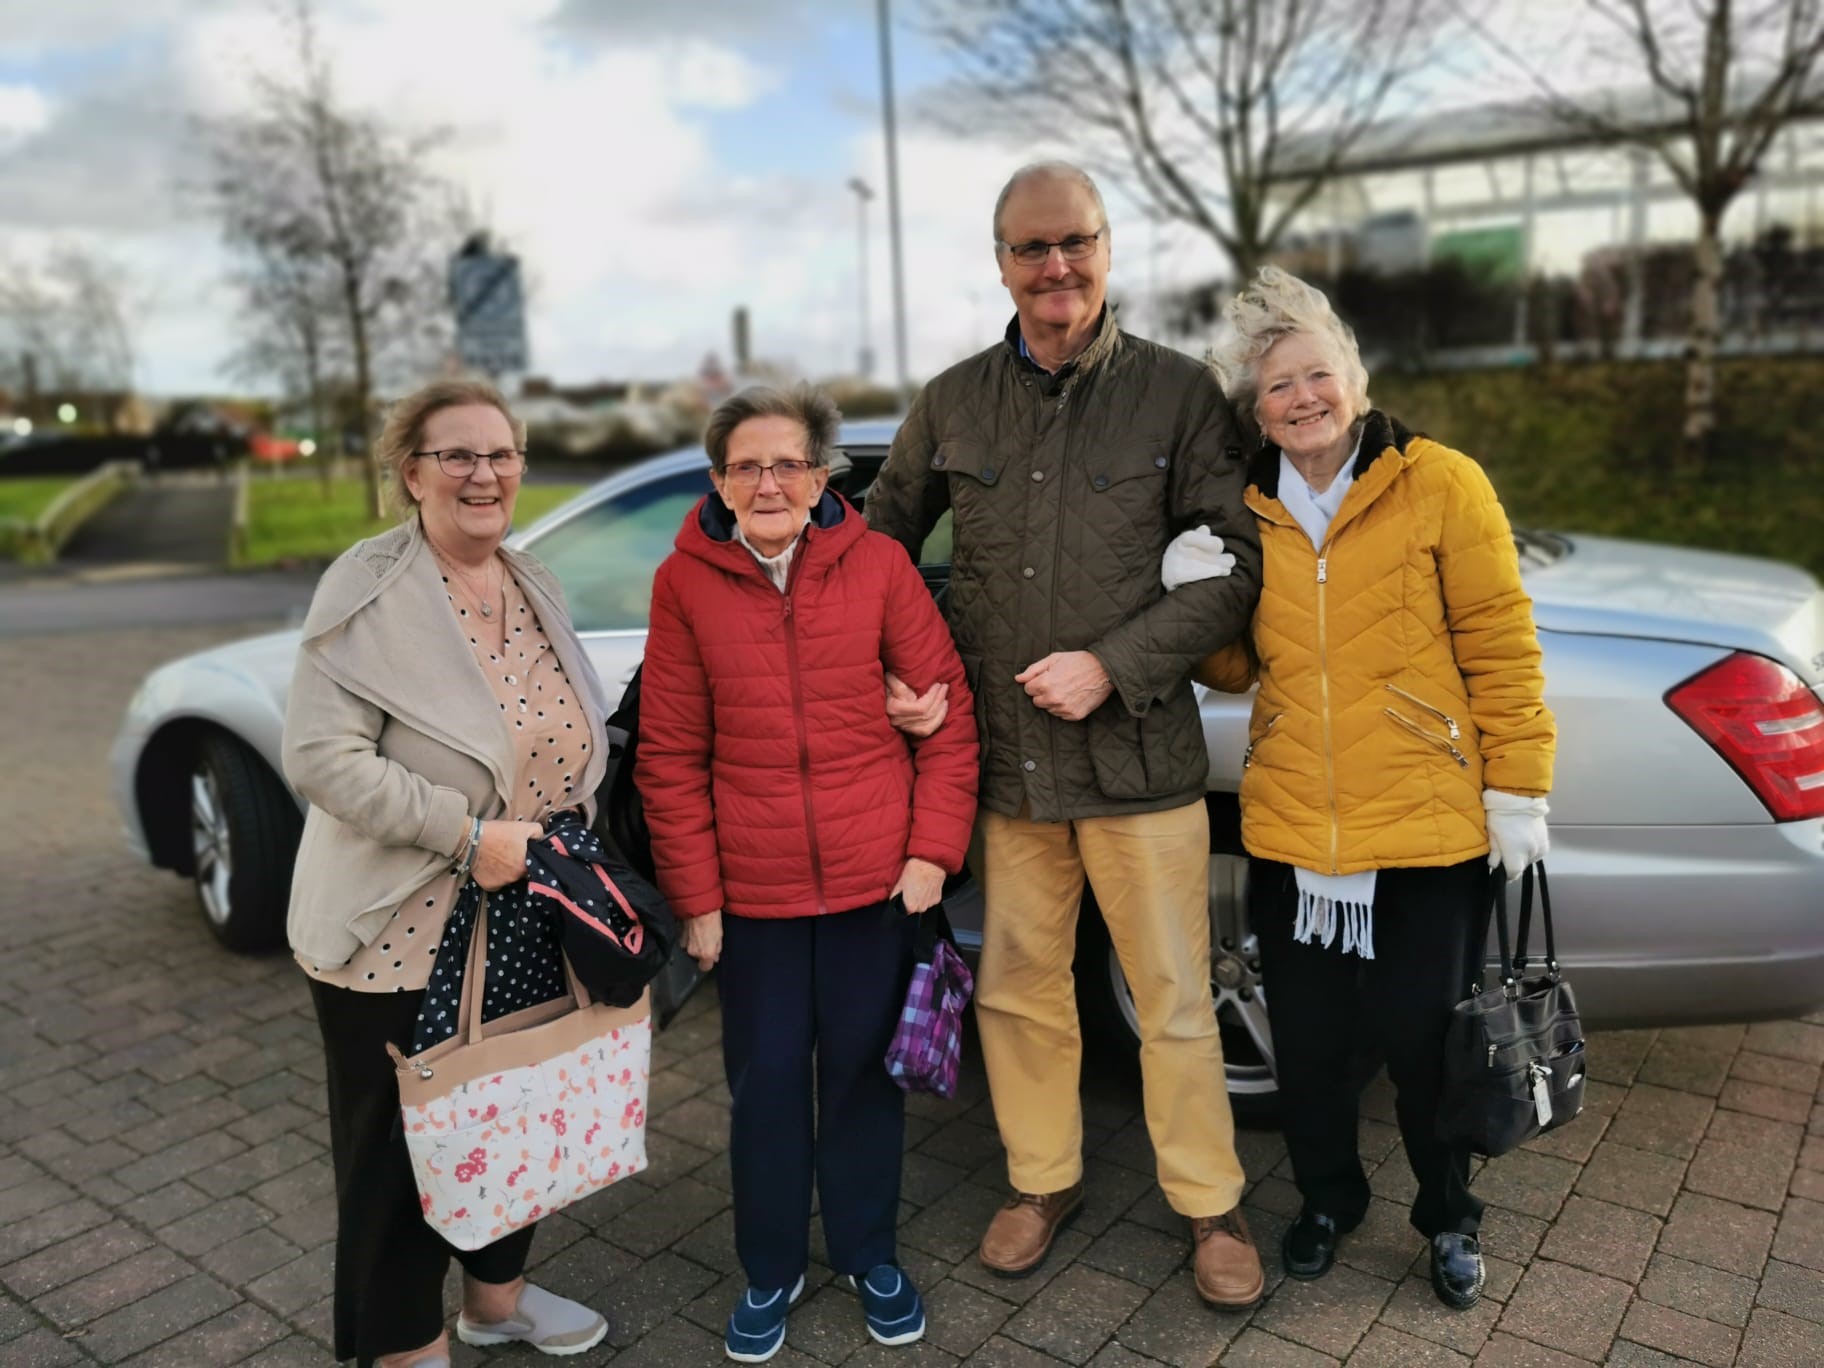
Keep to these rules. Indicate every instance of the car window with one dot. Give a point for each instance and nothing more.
(606, 556)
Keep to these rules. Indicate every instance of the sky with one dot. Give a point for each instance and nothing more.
(655, 166)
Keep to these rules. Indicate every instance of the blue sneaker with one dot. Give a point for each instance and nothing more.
(756, 1327)
(895, 1312)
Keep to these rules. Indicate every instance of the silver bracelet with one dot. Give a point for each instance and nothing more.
(469, 853)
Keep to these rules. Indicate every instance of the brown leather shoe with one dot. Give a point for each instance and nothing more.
(1020, 1235)
(1228, 1266)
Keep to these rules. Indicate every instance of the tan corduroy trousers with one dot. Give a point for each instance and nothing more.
(1150, 873)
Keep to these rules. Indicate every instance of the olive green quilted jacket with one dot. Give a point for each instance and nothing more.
(1065, 490)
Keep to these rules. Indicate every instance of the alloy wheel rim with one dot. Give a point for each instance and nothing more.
(214, 856)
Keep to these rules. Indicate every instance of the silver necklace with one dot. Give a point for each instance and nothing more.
(484, 602)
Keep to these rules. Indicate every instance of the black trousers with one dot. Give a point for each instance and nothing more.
(831, 985)
(390, 1263)
(1428, 930)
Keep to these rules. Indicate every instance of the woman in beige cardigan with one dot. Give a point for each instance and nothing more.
(441, 709)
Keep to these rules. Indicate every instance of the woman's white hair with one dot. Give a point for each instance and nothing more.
(1278, 304)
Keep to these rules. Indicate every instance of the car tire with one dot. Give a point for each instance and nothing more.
(1107, 1004)
(244, 830)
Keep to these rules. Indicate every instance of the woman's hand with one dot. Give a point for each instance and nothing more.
(921, 883)
(502, 857)
(1517, 836)
(703, 939)
(916, 714)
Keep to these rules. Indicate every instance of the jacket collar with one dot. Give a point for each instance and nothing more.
(381, 627)
(1387, 447)
(1107, 340)
(708, 535)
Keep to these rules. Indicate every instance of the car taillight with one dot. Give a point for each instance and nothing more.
(1764, 721)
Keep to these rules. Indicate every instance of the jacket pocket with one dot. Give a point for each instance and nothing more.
(1450, 723)
(1247, 756)
(1110, 469)
(1429, 737)
(962, 457)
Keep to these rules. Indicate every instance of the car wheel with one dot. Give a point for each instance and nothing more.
(244, 831)
(1241, 1005)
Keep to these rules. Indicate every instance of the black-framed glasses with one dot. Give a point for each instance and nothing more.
(460, 462)
(785, 472)
(1073, 248)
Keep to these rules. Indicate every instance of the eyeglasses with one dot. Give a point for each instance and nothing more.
(785, 472)
(461, 463)
(1073, 248)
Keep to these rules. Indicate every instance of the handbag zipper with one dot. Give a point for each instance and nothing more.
(1247, 756)
(1430, 738)
(1438, 713)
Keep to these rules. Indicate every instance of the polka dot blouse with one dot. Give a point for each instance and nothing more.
(551, 745)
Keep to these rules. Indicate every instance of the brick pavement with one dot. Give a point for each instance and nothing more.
(165, 1194)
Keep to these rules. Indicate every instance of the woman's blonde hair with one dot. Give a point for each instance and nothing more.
(1278, 304)
(404, 430)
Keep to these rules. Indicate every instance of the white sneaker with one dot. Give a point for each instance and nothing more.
(549, 1323)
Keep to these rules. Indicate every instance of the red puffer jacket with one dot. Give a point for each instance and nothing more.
(773, 783)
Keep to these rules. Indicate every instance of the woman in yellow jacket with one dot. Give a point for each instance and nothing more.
(1399, 747)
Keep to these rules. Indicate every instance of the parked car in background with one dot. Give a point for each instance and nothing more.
(1687, 818)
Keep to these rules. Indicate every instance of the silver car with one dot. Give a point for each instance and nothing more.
(1687, 818)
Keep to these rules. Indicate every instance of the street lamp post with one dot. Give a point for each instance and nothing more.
(899, 271)
(863, 193)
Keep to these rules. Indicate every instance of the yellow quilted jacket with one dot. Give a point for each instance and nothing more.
(1399, 671)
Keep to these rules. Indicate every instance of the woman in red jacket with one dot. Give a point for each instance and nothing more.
(787, 815)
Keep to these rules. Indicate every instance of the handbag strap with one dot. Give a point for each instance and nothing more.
(1545, 917)
(1497, 885)
(474, 978)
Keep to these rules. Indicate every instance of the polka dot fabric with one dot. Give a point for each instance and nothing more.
(551, 746)
(525, 962)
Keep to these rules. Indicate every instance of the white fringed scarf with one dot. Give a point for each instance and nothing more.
(1326, 899)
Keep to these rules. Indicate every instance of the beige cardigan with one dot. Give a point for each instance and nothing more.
(396, 739)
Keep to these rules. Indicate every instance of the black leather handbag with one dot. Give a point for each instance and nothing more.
(1513, 1057)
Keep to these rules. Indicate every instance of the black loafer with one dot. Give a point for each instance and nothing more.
(1310, 1246)
(1457, 1273)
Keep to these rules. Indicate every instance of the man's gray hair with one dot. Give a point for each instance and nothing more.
(1278, 304)
(1047, 170)
(806, 405)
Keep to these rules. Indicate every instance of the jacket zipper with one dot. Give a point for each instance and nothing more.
(1439, 713)
(798, 725)
(1247, 756)
(1430, 738)
(1323, 676)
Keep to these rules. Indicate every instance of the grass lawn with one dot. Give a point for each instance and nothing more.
(26, 497)
(291, 520)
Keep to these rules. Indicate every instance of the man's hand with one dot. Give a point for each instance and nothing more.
(921, 883)
(501, 858)
(916, 714)
(703, 939)
(1067, 684)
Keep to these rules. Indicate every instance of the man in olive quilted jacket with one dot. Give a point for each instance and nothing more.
(1069, 455)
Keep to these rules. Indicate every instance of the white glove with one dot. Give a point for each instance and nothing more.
(1194, 555)
(1516, 831)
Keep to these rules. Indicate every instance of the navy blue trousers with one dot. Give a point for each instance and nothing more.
(803, 996)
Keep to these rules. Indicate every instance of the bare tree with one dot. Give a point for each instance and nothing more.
(1228, 115)
(66, 324)
(1725, 78)
(291, 335)
(319, 196)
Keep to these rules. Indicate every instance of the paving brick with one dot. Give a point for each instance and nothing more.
(110, 1288)
(1691, 1066)
(655, 1223)
(291, 1287)
(960, 1318)
(1780, 1139)
(1776, 1340)
(1616, 1056)
(1721, 1234)
(1384, 1244)
(1685, 1286)
(154, 1319)
(1692, 1337)
(1136, 1252)
(1792, 1074)
(1079, 1311)
(1385, 1347)
(28, 1236)
(240, 1262)
(1510, 1351)
(1415, 1309)
(228, 1338)
(74, 1258)
(1752, 1177)
(42, 1348)
(202, 1231)
(1175, 1326)
(1602, 1237)
(1788, 1039)
(1661, 1120)
(638, 1300)
(1566, 1308)
(1800, 1239)
(1794, 1290)
(179, 1161)
(35, 1194)
(1630, 1177)
(1257, 1349)
(1536, 1184)
(1331, 1314)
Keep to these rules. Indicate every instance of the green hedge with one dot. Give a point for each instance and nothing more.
(1591, 449)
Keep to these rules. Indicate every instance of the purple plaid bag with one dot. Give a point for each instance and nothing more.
(927, 1046)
